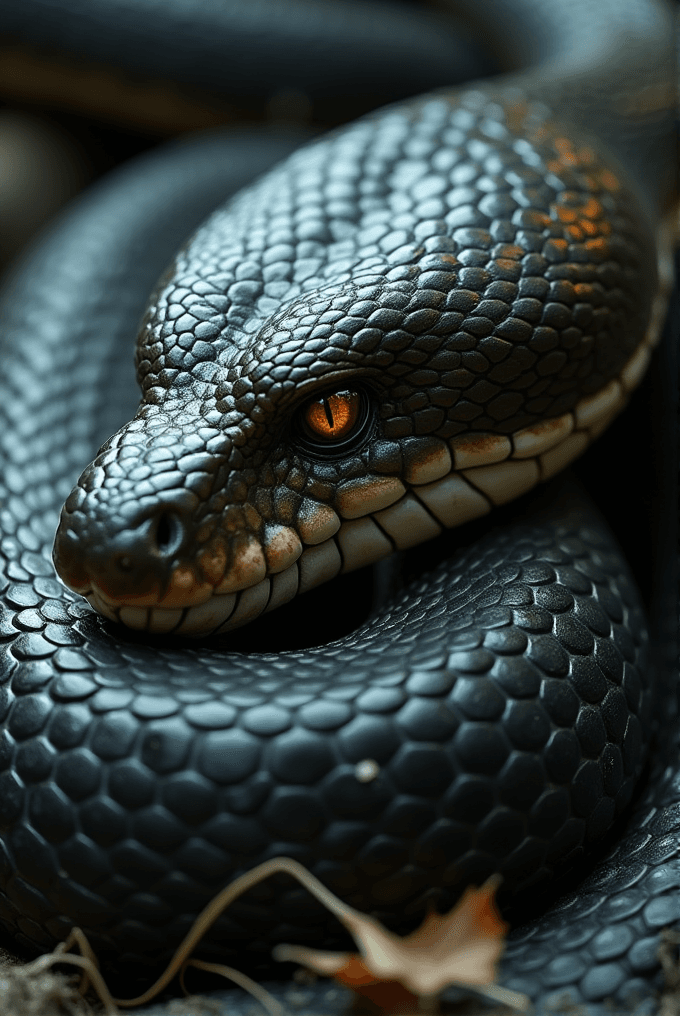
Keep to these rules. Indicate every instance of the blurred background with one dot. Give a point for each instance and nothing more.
(85, 86)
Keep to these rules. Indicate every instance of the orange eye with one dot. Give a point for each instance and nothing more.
(334, 416)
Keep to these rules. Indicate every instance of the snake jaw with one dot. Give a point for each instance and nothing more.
(282, 548)
(248, 567)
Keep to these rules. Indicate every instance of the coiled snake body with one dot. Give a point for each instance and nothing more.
(403, 325)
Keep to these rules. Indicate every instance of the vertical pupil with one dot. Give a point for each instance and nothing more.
(333, 416)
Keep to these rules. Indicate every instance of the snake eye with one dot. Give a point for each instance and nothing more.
(333, 417)
(335, 421)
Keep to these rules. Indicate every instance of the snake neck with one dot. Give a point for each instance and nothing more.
(608, 68)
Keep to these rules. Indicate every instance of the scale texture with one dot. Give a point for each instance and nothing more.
(485, 269)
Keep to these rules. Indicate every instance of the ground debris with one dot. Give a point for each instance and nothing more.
(388, 976)
(44, 994)
(194, 1005)
(670, 964)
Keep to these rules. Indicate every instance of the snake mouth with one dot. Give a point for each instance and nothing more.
(207, 618)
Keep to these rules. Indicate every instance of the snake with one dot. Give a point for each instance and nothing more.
(395, 331)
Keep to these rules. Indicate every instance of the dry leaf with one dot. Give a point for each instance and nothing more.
(388, 995)
(462, 947)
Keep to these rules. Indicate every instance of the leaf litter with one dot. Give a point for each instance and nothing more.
(389, 974)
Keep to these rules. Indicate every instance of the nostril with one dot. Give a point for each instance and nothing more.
(168, 533)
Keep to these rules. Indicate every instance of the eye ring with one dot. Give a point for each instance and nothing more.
(335, 422)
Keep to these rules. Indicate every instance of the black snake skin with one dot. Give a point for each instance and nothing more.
(479, 267)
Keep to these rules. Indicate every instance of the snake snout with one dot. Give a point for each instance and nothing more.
(126, 562)
(152, 542)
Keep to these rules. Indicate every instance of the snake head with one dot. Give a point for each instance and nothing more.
(323, 387)
(273, 474)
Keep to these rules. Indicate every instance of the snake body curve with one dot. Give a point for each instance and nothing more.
(504, 699)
